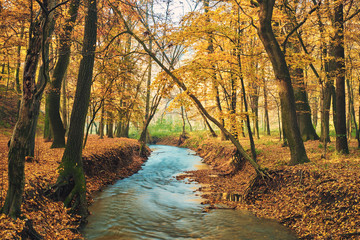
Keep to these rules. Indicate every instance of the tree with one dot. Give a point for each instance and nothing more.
(53, 96)
(23, 137)
(338, 67)
(71, 186)
(282, 74)
(303, 110)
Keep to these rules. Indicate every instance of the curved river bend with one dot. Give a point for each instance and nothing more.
(152, 204)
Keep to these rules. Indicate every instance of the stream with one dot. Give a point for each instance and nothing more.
(152, 204)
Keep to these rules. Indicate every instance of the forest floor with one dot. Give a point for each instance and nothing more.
(109, 158)
(317, 200)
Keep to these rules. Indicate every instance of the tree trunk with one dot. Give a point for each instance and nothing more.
(233, 98)
(252, 144)
(64, 111)
(183, 121)
(267, 121)
(325, 114)
(254, 103)
(286, 92)
(93, 112)
(18, 63)
(22, 134)
(101, 125)
(53, 96)
(326, 87)
(119, 129)
(36, 108)
(213, 134)
(143, 135)
(110, 125)
(70, 186)
(303, 110)
(315, 111)
(352, 110)
(47, 131)
(339, 67)
(42, 76)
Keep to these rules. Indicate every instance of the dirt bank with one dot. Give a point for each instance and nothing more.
(318, 200)
(105, 161)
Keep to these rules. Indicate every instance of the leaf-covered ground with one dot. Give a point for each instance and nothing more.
(110, 159)
(318, 200)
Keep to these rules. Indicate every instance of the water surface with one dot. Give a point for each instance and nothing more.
(152, 204)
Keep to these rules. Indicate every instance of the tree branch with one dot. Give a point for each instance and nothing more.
(298, 26)
(58, 5)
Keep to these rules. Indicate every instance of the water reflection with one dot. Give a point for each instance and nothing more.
(152, 204)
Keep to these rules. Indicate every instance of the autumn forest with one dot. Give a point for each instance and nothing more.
(267, 92)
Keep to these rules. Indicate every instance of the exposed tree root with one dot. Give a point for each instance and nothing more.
(261, 183)
(60, 190)
(182, 139)
(29, 232)
(70, 194)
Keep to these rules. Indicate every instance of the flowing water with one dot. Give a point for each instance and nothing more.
(152, 204)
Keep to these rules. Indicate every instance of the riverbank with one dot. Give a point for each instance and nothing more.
(317, 200)
(105, 161)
